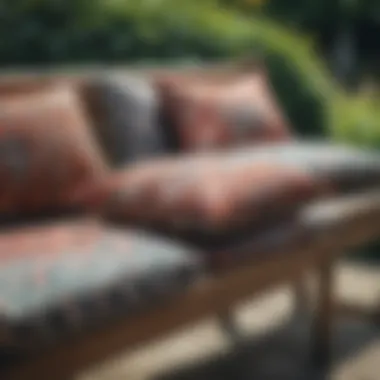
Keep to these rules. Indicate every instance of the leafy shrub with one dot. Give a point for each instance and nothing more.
(301, 81)
(357, 120)
(45, 32)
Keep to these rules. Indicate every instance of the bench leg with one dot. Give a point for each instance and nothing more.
(230, 327)
(301, 308)
(322, 324)
(362, 313)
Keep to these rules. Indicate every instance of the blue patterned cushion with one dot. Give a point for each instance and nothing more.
(59, 278)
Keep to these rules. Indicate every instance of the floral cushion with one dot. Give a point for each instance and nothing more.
(206, 112)
(56, 279)
(124, 110)
(46, 149)
(210, 194)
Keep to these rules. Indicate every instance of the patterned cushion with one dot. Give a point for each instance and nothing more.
(204, 194)
(221, 111)
(124, 109)
(56, 279)
(346, 168)
(46, 149)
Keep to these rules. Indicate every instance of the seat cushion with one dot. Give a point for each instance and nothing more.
(202, 195)
(57, 279)
(46, 149)
(219, 194)
(209, 112)
(345, 168)
(124, 110)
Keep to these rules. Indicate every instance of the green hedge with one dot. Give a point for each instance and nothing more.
(47, 33)
(357, 120)
(44, 32)
(302, 83)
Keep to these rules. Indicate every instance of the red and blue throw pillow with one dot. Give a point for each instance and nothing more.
(206, 112)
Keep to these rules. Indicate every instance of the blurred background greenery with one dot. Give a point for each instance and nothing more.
(325, 53)
(323, 56)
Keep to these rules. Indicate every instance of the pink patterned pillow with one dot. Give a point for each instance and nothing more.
(46, 149)
(214, 112)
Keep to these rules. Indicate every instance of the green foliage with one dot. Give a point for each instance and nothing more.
(300, 80)
(41, 32)
(326, 20)
(357, 120)
(319, 17)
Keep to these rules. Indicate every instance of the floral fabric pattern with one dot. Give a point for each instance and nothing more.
(222, 192)
(59, 278)
(210, 193)
(209, 113)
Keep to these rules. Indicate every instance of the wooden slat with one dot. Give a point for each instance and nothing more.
(322, 323)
